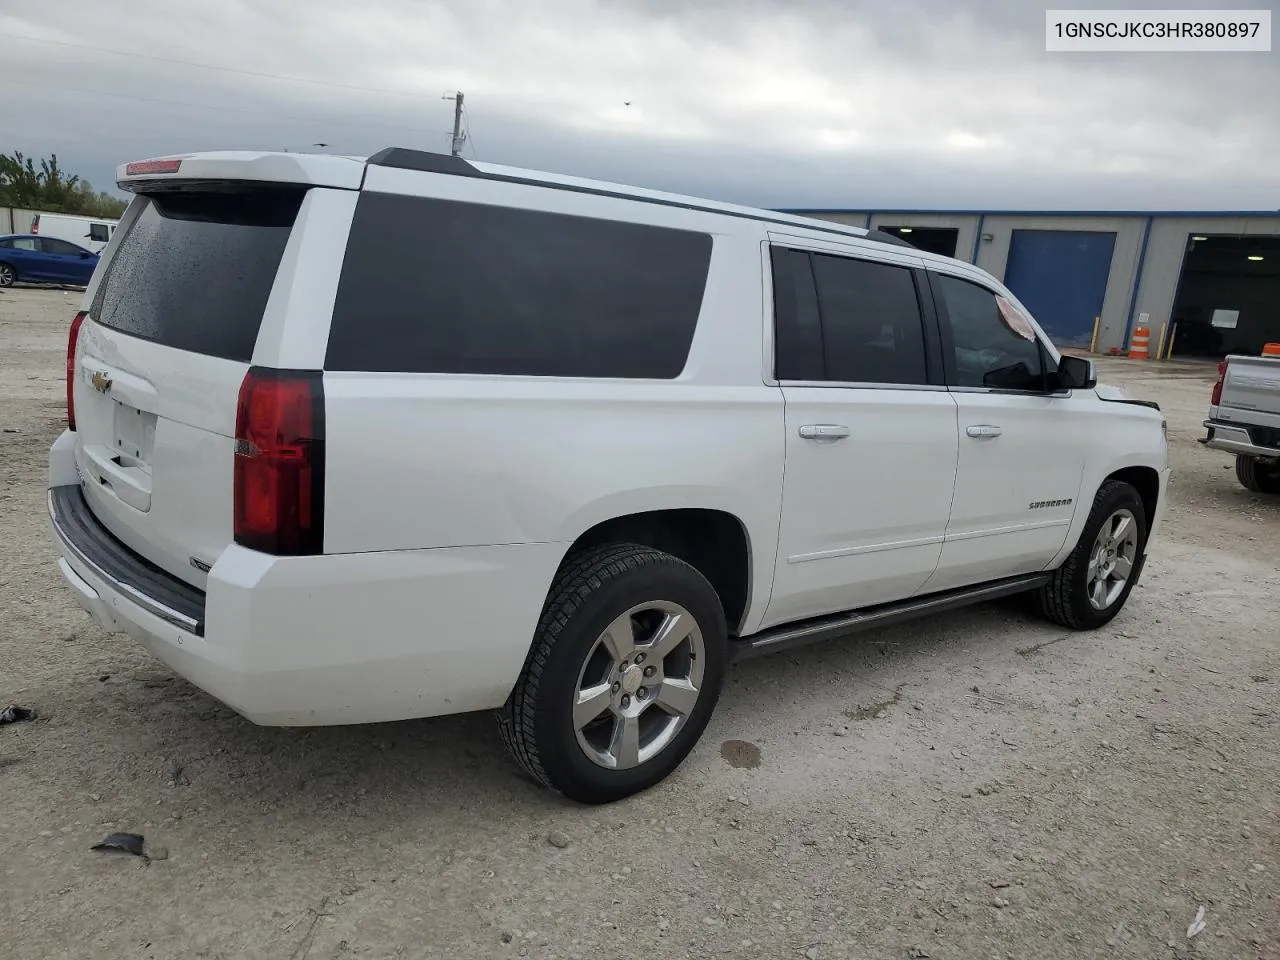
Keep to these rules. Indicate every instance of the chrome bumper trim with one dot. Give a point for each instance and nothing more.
(1233, 439)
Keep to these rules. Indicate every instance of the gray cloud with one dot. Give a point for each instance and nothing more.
(918, 103)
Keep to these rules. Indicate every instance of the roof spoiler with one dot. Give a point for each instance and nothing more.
(302, 169)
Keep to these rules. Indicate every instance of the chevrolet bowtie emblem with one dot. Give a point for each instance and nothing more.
(101, 382)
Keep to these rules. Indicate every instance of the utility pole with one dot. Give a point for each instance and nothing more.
(459, 138)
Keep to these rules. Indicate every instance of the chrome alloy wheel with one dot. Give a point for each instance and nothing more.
(1115, 552)
(639, 684)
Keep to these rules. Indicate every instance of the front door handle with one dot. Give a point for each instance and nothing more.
(824, 431)
(983, 431)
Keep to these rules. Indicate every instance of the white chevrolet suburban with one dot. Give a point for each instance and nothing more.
(359, 440)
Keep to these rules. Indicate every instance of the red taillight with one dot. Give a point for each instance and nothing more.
(143, 167)
(1216, 397)
(279, 462)
(73, 337)
(35, 224)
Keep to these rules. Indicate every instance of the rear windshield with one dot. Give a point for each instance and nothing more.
(441, 286)
(194, 269)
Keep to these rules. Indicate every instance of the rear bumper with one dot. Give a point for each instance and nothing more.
(1233, 438)
(81, 536)
(302, 641)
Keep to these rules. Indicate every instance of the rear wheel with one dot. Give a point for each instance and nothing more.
(1256, 475)
(1093, 584)
(625, 670)
(7, 275)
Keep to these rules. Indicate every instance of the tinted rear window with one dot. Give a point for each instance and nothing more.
(193, 270)
(438, 286)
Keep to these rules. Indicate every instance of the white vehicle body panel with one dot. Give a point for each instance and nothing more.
(170, 499)
(176, 503)
(294, 326)
(1016, 491)
(1125, 436)
(451, 500)
(288, 639)
(863, 518)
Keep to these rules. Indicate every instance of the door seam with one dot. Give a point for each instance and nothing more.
(955, 480)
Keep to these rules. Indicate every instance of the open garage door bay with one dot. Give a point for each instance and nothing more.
(1228, 297)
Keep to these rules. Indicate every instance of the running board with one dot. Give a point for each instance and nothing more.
(790, 635)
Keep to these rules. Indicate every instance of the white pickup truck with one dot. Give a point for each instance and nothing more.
(362, 440)
(1244, 419)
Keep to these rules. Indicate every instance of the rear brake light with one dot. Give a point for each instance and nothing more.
(143, 167)
(73, 337)
(35, 224)
(278, 486)
(1216, 397)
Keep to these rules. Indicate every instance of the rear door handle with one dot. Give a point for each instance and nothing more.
(983, 431)
(824, 431)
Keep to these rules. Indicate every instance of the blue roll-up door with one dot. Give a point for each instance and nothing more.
(1061, 277)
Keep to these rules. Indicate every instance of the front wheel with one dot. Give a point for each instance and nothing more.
(626, 666)
(1093, 584)
(7, 275)
(1257, 476)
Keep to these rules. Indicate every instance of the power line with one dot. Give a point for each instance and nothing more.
(471, 140)
(209, 106)
(133, 55)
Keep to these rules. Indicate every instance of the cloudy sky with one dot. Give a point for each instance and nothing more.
(795, 103)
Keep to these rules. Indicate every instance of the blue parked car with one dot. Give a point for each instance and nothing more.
(31, 259)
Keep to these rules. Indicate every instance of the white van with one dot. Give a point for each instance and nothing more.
(92, 233)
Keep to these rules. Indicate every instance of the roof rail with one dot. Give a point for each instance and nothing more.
(882, 237)
(402, 158)
(405, 159)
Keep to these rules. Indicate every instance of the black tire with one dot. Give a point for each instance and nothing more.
(1256, 476)
(8, 275)
(1065, 598)
(593, 588)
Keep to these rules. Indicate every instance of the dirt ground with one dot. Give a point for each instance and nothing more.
(981, 785)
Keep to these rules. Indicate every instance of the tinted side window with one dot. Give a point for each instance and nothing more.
(988, 350)
(439, 286)
(51, 245)
(25, 243)
(872, 329)
(797, 332)
(98, 233)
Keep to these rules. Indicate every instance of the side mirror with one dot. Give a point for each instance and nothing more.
(1076, 373)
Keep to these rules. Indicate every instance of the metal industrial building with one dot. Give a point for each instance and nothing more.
(1209, 280)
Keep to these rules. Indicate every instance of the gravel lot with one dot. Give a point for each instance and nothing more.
(979, 785)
